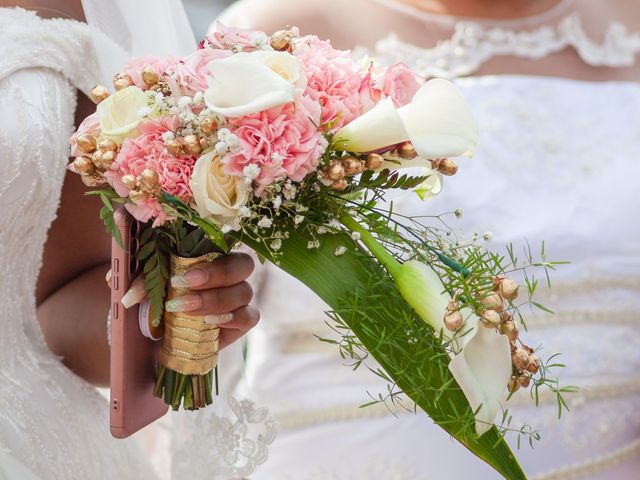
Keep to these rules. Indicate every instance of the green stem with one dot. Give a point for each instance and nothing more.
(375, 247)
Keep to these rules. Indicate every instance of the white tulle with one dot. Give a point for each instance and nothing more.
(53, 425)
(121, 29)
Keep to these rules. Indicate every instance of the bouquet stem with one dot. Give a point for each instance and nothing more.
(189, 352)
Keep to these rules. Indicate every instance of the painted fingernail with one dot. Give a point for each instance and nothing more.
(134, 295)
(218, 319)
(193, 278)
(186, 303)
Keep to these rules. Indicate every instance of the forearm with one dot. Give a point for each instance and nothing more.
(74, 322)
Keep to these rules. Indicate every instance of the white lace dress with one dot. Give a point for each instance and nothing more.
(556, 162)
(53, 425)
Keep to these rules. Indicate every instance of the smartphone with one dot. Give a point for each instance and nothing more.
(133, 356)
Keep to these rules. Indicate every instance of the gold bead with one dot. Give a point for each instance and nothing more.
(281, 40)
(374, 161)
(83, 165)
(208, 125)
(149, 75)
(507, 289)
(149, 182)
(453, 306)
(86, 143)
(492, 301)
(340, 184)
(520, 359)
(97, 157)
(490, 318)
(98, 94)
(108, 157)
(192, 144)
(122, 80)
(102, 160)
(524, 381)
(174, 146)
(453, 321)
(510, 329)
(138, 196)
(352, 166)
(534, 364)
(406, 151)
(204, 143)
(445, 166)
(335, 171)
(129, 181)
(93, 180)
(107, 145)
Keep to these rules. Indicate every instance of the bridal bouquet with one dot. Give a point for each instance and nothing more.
(288, 146)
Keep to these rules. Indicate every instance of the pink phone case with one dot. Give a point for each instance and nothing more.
(133, 356)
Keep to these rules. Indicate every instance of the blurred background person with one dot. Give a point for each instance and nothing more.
(553, 84)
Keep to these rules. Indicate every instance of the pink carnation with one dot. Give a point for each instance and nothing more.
(147, 151)
(162, 67)
(283, 141)
(369, 93)
(399, 83)
(192, 72)
(230, 38)
(333, 79)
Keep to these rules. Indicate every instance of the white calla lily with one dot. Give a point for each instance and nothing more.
(482, 366)
(437, 121)
(421, 287)
(482, 369)
(482, 362)
(378, 128)
(247, 83)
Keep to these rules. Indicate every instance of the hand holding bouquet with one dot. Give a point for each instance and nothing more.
(289, 146)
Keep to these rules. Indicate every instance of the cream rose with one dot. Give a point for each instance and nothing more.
(120, 114)
(247, 83)
(218, 196)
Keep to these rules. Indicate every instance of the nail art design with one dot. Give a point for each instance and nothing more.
(193, 278)
(218, 319)
(186, 303)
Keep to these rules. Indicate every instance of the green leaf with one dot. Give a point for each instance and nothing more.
(369, 304)
(146, 250)
(106, 215)
(156, 271)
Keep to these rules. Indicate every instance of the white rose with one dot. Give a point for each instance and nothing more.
(247, 83)
(120, 114)
(218, 197)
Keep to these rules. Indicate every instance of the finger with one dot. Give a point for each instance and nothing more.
(212, 302)
(107, 278)
(136, 292)
(222, 272)
(243, 320)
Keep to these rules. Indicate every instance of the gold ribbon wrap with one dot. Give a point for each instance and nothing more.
(189, 346)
